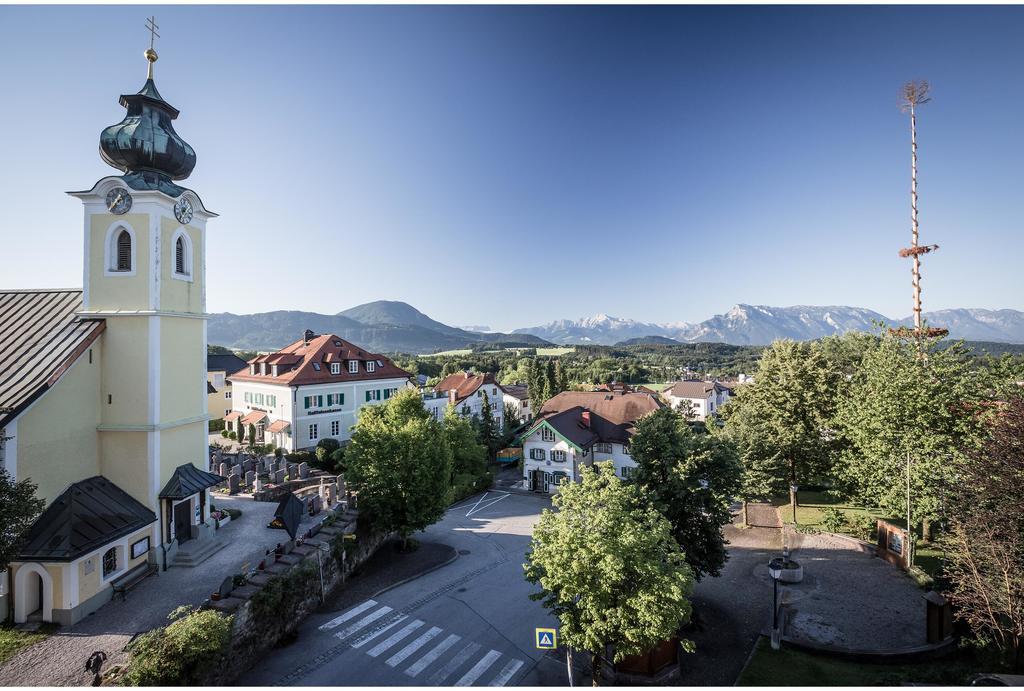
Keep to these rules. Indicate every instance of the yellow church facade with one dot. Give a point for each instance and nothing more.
(103, 390)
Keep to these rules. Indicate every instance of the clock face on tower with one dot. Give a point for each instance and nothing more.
(183, 210)
(119, 201)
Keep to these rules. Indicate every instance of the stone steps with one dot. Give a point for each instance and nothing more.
(195, 552)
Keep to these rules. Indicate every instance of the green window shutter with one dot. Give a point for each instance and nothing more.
(305, 402)
(341, 400)
(368, 396)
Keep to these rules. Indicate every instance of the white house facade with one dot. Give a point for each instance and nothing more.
(466, 392)
(311, 390)
(577, 429)
(703, 397)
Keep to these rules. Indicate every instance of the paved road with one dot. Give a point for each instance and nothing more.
(468, 623)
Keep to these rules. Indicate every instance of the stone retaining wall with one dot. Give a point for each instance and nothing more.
(274, 601)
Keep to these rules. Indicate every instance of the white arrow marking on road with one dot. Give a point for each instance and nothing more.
(475, 509)
(506, 673)
(369, 618)
(408, 650)
(453, 664)
(434, 653)
(366, 638)
(479, 668)
(338, 621)
(394, 638)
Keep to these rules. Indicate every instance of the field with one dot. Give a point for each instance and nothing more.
(551, 352)
(555, 352)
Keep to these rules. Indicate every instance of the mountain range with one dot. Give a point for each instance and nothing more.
(389, 326)
(760, 325)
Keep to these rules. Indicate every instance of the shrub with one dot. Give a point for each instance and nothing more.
(234, 513)
(279, 452)
(232, 435)
(181, 653)
(300, 457)
(862, 527)
(224, 433)
(832, 519)
(337, 462)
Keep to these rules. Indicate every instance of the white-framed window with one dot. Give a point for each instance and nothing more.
(546, 434)
(335, 428)
(226, 411)
(625, 449)
(181, 246)
(626, 471)
(227, 393)
(247, 397)
(370, 365)
(602, 447)
(110, 564)
(374, 395)
(537, 454)
(313, 402)
(271, 400)
(263, 368)
(353, 366)
(120, 250)
(313, 432)
(335, 399)
(335, 368)
(557, 455)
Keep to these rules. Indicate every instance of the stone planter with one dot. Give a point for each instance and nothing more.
(785, 570)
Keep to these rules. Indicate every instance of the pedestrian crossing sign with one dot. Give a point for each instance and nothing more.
(547, 639)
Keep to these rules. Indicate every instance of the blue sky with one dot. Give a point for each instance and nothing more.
(511, 165)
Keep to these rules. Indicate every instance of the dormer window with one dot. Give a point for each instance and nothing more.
(335, 368)
(263, 368)
(370, 365)
(353, 366)
(273, 370)
(316, 366)
(252, 368)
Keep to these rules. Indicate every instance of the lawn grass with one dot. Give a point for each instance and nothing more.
(556, 351)
(790, 667)
(13, 640)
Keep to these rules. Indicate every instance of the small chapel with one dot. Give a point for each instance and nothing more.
(103, 393)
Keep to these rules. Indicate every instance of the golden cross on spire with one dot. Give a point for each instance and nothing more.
(150, 54)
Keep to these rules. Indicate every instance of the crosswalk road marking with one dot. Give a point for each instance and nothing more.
(506, 673)
(432, 655)
(338, 621)
(453, 664)
(408, 650)
(479, 668)
(367, 637)
(391, 640)
(369, 618)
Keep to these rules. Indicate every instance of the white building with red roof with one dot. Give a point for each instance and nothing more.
(465, 391)
(310, 390)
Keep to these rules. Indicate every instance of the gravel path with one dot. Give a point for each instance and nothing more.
(60, 659)
(852, 599)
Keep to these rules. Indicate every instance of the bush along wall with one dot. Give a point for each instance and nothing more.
(214, 645)
(273, 602)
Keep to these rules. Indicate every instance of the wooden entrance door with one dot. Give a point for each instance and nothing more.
(183, 521)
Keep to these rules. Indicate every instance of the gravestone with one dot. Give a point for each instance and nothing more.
(237, 470)
(233, 484)
(257, 483)
(224, 471)
(341, 486)
(248, 465)
(250, 479)
(303, 470)
(226, 587)
(278, 477)
(293, 471)
(328, 495)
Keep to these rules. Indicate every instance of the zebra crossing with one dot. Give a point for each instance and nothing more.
(417, 648)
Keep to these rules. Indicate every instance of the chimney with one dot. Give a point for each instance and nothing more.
(451, 396)
(586, 418)
(308, 336)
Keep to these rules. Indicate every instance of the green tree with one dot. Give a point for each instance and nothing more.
(561, 377)
(19, 508)
(691, 479)
(550, 380)
(609, 568)
(241, 433)
(781, 423)
(490, 435)
(901, 404)
(535, 384)
(469, 456)
(399, 465)
(985, 542)
(511, 421)
(252, 435)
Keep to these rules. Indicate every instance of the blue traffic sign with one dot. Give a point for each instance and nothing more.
(547, 639)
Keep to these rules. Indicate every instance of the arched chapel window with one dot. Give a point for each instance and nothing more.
(179, 256)
(124, 251)
(110, 561)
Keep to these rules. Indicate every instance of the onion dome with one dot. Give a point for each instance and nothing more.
(144, 145)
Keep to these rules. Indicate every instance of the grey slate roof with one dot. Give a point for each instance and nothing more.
(87, 515)
(225, 362)
(40, 338)
(210, 389)
(693, 389)
(188, 480)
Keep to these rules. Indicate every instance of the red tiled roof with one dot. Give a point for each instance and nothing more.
(612, 415)
(253, 417)
(309, 363)
(465, 384)
(232, 416)
(278, 426)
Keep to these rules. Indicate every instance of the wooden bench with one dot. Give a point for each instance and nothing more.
(122, 584)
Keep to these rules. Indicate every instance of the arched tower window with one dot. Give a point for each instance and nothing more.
(179, 256)
(110, 561)
(124, 251)
(182, 244)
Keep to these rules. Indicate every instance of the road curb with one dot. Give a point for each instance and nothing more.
(419, 575)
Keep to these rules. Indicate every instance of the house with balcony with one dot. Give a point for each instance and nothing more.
(700, 398)
(576, 429)
(311, 390)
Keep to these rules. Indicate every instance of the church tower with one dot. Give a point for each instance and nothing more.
(144, 274)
